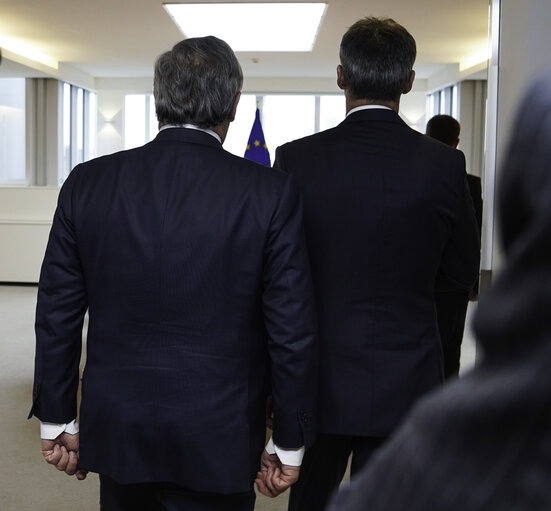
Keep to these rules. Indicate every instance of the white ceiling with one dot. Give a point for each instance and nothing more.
(122, 38)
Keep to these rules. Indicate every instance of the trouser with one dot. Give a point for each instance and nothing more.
(167, 497)
(451, 309)
(324, 466)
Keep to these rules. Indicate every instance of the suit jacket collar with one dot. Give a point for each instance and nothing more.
(374, 114)
(191, 136)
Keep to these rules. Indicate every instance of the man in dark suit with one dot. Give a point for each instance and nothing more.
(192, 265)
(452, 302)
(483, 442)
(382, 219)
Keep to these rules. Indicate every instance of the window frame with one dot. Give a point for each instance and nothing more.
(79, 141)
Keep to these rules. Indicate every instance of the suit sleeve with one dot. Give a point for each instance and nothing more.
(289, 312)
(461, 257)
(60, 311)
(475, 189)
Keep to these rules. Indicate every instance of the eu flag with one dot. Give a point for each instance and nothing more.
(257, 150)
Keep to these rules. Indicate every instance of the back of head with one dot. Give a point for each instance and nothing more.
(377, 56)
(444, 128)
(197, 82)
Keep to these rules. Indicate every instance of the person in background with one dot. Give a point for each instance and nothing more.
(451, 302)
(483, 442)
(192, 265)
(382, 221)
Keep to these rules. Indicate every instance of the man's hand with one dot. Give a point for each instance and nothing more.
(63, 454)
(274, 477)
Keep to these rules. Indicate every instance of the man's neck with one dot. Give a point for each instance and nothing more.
(354, 103)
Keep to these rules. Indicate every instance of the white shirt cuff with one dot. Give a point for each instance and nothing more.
(291, 457)
(50, 431)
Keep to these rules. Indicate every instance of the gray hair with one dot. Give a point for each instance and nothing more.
(197, 82)
(377, 56)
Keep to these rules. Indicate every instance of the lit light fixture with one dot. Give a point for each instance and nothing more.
(482, 54)
(23, 49)
(252, 26)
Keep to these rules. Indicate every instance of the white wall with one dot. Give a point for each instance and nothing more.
(111, 92)
(520, 52)
(25, 220)
(413, 106)
(472, 116)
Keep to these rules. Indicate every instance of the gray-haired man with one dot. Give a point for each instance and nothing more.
(189, 260)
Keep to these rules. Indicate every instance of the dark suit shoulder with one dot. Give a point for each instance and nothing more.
(106, 161)
(257, 169)
(447, 160)
(439, 147)
(158, 169)
(315, 139)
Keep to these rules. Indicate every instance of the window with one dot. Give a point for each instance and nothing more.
(240, 128)
(91, 127)
(444, 101)
(140, 120)
(12, 131)
(79, 127)
(284, 117)
(332, 110)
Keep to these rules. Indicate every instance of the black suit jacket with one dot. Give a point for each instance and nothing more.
(192, 265)
(484, 442)
(475, 188)
(385, 209)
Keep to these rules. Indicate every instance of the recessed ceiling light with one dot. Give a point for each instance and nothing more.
(252, 27)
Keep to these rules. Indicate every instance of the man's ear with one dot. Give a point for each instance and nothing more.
(341, 82)
(234, 109)
(409, 84)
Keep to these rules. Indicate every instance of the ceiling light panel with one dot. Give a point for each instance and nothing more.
(281, 27)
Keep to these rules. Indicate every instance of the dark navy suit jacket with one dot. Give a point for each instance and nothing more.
(192, 265)
(385, 210)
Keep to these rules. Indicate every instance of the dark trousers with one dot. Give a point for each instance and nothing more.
(324, 466)
(451, 310)
(167, 497)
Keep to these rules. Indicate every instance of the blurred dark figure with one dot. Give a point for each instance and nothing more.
(451, 301)
(495, 423)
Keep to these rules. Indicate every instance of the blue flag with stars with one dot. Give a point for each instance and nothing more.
(257, 150)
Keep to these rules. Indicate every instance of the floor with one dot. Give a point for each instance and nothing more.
(27, 483)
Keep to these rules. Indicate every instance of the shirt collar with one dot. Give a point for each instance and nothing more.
(192, 127)
(368, 107)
